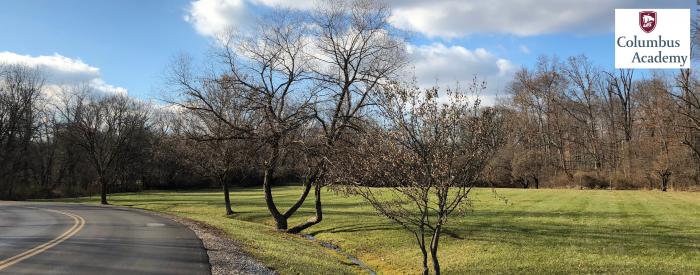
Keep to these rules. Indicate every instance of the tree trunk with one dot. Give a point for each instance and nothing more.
(227, 199)
(434, 244)
(664, 181)
(426, 270)
(319, 212)
(626, 164)
(315, 179)
(103, 190)
(663, 187)
(10, 190)
(537, 183)
(280, 220)
(420, 239)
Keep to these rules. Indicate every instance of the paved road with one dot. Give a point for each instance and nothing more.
(53, 238)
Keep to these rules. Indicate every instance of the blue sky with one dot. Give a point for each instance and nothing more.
(129, 43)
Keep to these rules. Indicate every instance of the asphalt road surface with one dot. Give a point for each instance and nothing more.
(54, 238)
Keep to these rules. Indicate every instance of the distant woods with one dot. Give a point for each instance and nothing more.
(69, 140)
(569, 124)
(574, 125)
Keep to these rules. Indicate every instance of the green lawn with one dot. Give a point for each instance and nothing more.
(537, 231)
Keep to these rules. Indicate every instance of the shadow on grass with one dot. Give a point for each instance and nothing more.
(365, 227)
(585, 230)
(552, 234)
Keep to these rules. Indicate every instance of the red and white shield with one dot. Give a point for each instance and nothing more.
(647, 21)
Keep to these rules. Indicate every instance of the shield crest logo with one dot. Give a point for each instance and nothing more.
(647, 21)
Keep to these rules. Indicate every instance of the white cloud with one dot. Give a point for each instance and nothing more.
(433, 64)
(524, 49)
(457, 18)
(438, 64)
(60, 70)
(450, 18)
(213, 17)
(298, 4)
(100, 85)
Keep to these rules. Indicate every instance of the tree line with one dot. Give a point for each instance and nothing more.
(573, 124)
(68, 141)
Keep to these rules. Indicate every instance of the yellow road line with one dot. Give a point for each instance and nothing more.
(77, 226)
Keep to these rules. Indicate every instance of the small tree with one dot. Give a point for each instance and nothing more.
(529, 165)
(426, 154)
(217, 160)
(662, 169)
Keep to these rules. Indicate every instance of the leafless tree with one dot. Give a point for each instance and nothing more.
(104, 126)
(620, 89)
(20, 89)
(688, 101)
(528, 167)
(582, 103)
(354, 53)
(539, 94)
(262, 93)
(425, 155)
(209, 150)
(214, 113)
(685, 91)
(272, 67)
(659, 117)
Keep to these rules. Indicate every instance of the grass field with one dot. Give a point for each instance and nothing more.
(537, 231)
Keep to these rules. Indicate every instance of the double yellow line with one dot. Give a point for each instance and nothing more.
(77, 226)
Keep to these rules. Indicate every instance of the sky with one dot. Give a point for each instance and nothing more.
(125, 46)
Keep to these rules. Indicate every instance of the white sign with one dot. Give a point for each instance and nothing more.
(652, 38)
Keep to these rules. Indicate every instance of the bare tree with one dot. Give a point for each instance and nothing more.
(104, 126)
(355, 53)
(539, 94)
(215, 113)
(659, 117)
(426, 156)
(620, 89)
(272, 66)
(209, 150)
(529, 166)
(267, 77)
(688, 101)
(20, 89)
(688, 106)
(582, 104)
(305, 80)
(46, 149)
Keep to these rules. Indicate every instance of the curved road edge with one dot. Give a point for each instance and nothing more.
(72, 238)
(79, 223)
